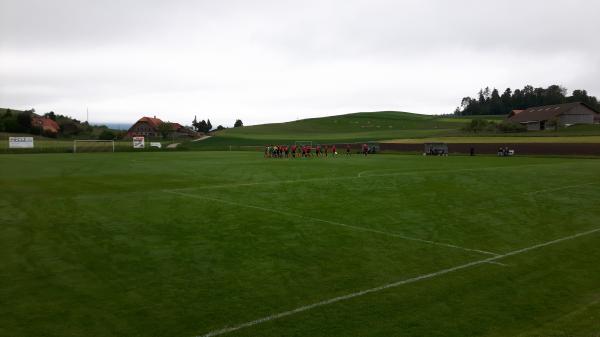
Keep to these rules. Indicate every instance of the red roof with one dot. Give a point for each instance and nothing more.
(46, 124)
(153, 121)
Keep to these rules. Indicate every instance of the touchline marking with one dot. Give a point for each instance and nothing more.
(364, 229)
(559, 188)
(391, 285)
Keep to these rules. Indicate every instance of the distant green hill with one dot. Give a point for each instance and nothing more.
(355, 127)
(3, 110)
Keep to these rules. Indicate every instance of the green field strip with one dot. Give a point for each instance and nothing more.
(132, 267)
(442, 272)
(335, 223)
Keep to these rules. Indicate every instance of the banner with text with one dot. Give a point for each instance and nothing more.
(20, 142)
(138, 143)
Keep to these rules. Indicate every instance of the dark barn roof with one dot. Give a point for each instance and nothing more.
(547, 112)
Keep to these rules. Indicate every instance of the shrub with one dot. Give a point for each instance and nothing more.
(509, 127)
(480, 125)
(107, 135)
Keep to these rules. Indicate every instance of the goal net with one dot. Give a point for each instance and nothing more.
(82, 145)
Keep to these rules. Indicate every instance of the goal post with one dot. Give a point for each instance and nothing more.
(93, 145)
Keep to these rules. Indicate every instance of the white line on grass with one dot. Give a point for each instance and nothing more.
(559, 188)
(364, 229)
(498, 263)
(359, 176)
(391, 285)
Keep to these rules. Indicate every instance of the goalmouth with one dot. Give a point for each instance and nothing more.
(93, 145)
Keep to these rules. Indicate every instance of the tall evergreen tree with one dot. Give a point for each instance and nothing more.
(195, 123)
(506, 100)
(490, 102)
(495, 103)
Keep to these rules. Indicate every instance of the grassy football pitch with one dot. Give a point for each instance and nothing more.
(229, 243)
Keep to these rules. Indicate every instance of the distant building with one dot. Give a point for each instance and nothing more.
(545, 117)
(45, 124)
(149, 127)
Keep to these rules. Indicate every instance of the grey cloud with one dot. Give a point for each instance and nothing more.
(277, 60)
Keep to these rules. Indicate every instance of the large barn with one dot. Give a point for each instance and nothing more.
(545, 117)
(149, 127)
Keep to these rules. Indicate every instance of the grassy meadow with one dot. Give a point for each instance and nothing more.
(232, 244)
(382, 126)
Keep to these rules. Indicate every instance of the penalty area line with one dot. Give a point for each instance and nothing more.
(358, 228)
(392, 285)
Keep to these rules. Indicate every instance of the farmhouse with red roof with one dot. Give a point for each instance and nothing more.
(45, 124)
(149, 127)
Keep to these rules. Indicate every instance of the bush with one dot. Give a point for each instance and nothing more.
(36, 130)
(24, 121)
(49, 134)
(107, 135)
(480, 125)
(11, 125)
(509, 127)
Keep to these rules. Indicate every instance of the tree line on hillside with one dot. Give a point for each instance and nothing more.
(16, 121)
(491, 102)
(206, 126)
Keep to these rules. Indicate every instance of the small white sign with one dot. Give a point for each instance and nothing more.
(20, 142)
(156, 145)
(138, 143)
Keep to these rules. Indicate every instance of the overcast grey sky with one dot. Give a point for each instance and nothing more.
(267, 61)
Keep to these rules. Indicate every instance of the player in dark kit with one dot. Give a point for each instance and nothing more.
(348, 150)
(293, 151)
(365, 149)
(333, 152)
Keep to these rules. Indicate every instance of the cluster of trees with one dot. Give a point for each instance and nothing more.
(202, 126)
(15, 121)
(206, 126)
(491, 102)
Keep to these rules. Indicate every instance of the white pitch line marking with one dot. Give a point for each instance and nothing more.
(391, 285)
(258, 183)
(364, 229)
(498, 263)
(559, 188)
